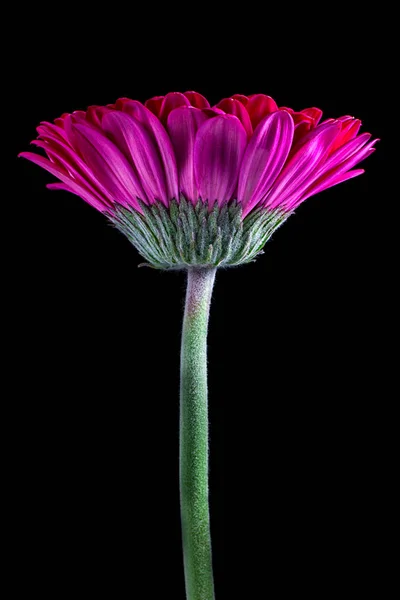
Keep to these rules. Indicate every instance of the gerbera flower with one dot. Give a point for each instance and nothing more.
(198, 187)
(194, 185)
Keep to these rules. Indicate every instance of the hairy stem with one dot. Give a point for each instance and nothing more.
(194, 437)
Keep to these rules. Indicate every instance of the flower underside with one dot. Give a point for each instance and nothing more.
(185, 235)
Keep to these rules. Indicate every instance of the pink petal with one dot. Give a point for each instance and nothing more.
(264, 158)
(171, 101)
(197, 100)
(60, 121)
(109, 165)
(120, 103)
(243, 99)
(94, 115)
(259, 106)
(76, 168)
(218, 152)
(78, 116)
(132, 138)
(325, 184)
(72, 185)
(54, 130)
(154, 105)
(350, 128)
(307, 136)
(337, 166)
(231, 106)
(345, 152)
(212, 112)
(58, 186)
(301, 168)
(344, 177)
(46, 164)
(300, 131)
(183, 124)
(300, 117)
(314, 113)
(69, 122)
(82, 193)
(50, 137)
(161, 140)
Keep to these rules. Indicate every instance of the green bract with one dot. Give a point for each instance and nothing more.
(186, 235)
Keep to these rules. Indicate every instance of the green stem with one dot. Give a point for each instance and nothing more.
(194, 437)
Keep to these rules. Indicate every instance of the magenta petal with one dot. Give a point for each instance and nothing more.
(109, 165)
(312, 133)
(343, 177)
(76, 168)
(66, 179)
(171, 101)
(353, 130)
(136, 143)
(314, 113)
(231, 106)
(119, 105)
(212, 112)
(350, 128)
(259, 106)
(81, 192)
(337, 166)
(300, 131)
(50, 129)
(197, 100)
(183, 124)
(243, 99)
(264, 158)
(73, 164)
(360, 155)
(218, 151)
(95, 114)
(69, 122)
(161, 140)
(58, 186)
(59, 122)
(45, 163)
(344, 153)
(325, 183)
(154, 105)
(48, 136)
(301, 168)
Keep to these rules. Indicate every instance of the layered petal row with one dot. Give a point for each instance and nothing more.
(244, 148)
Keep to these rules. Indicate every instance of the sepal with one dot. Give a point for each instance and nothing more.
(184, 234)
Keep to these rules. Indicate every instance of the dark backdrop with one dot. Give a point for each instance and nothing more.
(297, 412)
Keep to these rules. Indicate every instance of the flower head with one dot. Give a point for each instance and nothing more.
(194, 184)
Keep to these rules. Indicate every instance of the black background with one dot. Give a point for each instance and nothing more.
(300, 420)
